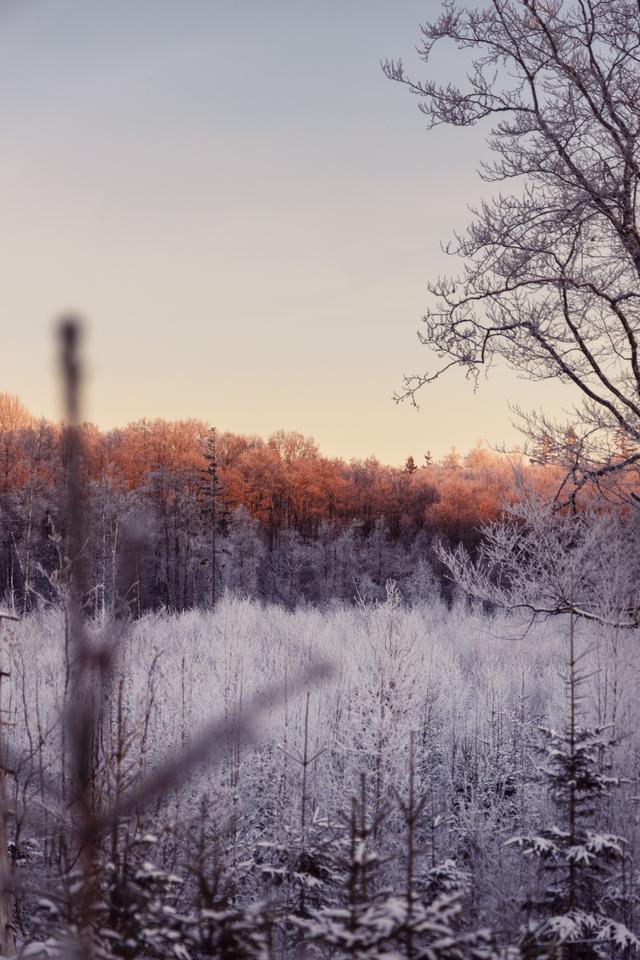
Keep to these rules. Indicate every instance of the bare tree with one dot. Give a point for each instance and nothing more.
(538, 563)
(550, 281)
(210, 489)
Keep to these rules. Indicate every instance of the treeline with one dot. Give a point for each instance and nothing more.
(175, 512)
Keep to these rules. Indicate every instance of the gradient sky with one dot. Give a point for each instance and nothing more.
(245, 210)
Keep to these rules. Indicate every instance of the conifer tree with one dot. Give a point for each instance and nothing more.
(577, 859)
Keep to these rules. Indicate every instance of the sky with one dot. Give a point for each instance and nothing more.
(245, 211)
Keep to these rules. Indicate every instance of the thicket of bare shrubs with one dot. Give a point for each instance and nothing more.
(369, 814)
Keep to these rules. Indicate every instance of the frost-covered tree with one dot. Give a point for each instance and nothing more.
(539, 563)
(550, 279)
(419, 917)
(245, 549)
(577, 856)
(210, 495)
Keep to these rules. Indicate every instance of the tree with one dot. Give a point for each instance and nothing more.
(38, 446)
(210, 493)
(538, 563)
(246, 551)
(550, 281)
(13, 418)
(578, 858)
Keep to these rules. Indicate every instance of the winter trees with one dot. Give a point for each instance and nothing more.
(550, 283)
(162, 497)
(210, 490)
(13, 419)
(424, 703)
(540, 563)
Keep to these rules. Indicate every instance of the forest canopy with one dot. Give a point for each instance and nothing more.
(291, 523)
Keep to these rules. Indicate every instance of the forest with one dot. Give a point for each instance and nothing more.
(258, 703)
(180, 512)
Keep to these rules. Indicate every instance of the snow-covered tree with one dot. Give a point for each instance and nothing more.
(577, 856)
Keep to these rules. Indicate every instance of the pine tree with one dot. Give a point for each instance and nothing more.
(576, 858)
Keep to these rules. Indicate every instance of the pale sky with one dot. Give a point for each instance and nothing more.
(246, 212)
